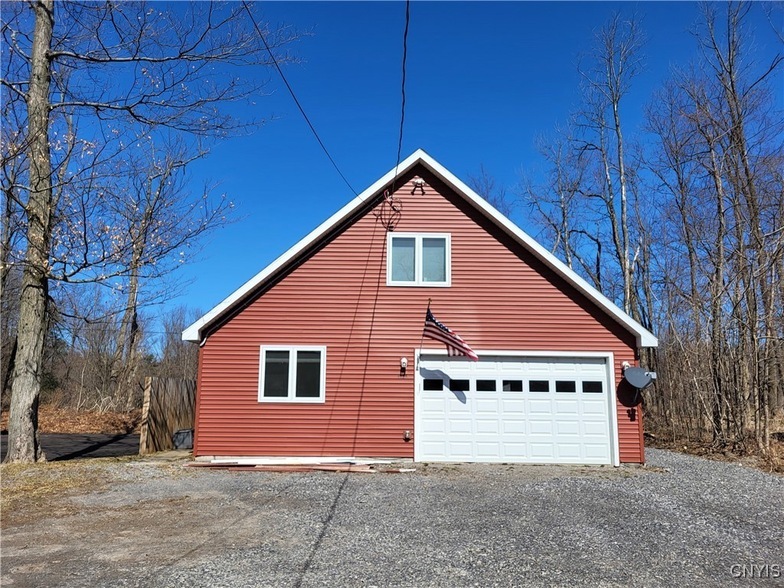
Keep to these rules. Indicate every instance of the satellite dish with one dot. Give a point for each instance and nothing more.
(638, 377)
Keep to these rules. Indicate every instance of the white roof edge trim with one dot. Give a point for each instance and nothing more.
(193, 332)
(644, 337)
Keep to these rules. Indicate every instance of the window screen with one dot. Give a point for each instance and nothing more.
(434, 260)
(308, 374)
(403, 259)
(276, 374)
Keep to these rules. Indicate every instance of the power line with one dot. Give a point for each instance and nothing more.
(296, 101)
(402, 92)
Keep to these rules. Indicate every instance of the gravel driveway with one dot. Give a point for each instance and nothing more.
(680, 521)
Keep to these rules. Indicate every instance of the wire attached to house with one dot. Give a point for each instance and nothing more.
(402, 92)
(296, 101)
(390, 218)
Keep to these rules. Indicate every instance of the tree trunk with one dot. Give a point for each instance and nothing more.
(23, 441)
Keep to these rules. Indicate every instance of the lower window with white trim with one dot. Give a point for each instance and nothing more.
(292, 373)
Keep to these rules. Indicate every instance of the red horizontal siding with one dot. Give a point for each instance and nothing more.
(501, 297)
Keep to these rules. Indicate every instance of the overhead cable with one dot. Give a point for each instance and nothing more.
(294, 96)
(402, 91)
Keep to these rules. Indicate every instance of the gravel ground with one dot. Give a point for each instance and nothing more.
(679, 521)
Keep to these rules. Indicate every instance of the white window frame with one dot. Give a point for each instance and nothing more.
(292, 398)
(418, 249)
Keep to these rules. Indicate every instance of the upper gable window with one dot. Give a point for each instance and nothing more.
(292, 374)
(419, 259)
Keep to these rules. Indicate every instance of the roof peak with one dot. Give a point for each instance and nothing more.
(644, 337)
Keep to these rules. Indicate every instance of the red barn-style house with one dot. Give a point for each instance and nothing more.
(322, 353)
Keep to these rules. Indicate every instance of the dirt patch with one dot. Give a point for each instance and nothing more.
(31, 491)
(52, 419)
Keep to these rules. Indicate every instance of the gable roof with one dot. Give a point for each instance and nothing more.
(644, 337)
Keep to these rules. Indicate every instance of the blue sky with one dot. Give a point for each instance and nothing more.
(484, 80)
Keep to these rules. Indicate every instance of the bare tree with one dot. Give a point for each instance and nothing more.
(179, 359)
(719, 159)
(588, 200)
(485, 185)
(557, 205)
(613, 65)
(88, 81)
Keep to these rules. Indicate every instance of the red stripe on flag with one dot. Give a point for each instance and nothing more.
(454, 343)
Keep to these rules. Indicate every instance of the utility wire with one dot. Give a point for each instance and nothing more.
(294, 96)
(402, 91)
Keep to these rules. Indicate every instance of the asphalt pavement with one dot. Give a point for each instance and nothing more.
(59, 447)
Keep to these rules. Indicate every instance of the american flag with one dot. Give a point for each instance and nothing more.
(454, 343)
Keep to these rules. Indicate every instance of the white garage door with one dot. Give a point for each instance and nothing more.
(523, 409)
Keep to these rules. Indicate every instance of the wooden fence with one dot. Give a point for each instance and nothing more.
(169, 406)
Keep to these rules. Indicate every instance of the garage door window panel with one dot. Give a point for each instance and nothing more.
(593, 387)
(433, 384)
(565, 386)
(485, 385)
(539, 386)
(459, 385)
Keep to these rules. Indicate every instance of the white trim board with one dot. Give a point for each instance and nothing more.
(643, 337)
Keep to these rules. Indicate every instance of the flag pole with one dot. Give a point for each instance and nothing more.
(421, 341)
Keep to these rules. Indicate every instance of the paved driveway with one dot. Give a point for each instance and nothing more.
(59, 447)
(682, 521)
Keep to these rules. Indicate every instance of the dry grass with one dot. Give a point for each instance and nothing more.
(52, 419)
(28, 489)
(772, 462)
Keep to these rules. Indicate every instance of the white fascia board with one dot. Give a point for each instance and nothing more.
(193, 332)
(644, 337)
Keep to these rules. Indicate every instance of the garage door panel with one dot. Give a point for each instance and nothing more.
(569, 450)
(488, 449)
(457, 426)
(487, 406)
(567, 428)
(540, 407)
(513, 426)
(488, 426)
(566, 408)
(598, 451)
(460, 450)
(437, 426)
(539, 427)
(433, 405)
(515, 451)
(597, 407)
(594, 429)
(542, 451)
(513, 406)
(536, 410)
